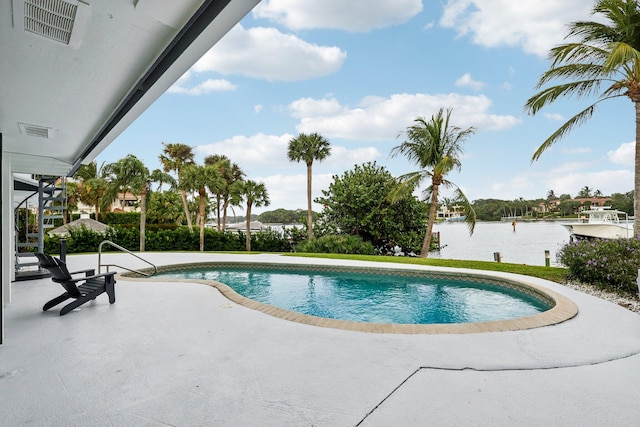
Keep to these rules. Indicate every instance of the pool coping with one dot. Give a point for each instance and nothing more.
(563, 308)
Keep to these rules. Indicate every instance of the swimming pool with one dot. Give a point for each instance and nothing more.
(406, 299)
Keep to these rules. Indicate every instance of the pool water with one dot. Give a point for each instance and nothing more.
(371, 297)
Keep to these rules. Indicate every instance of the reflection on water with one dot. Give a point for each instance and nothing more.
(525, 245)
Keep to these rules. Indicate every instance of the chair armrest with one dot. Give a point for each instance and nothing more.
(87, 272)
(97, 276)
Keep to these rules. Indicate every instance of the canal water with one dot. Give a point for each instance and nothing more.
(525, 245)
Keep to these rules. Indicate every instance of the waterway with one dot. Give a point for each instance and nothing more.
(524, 245)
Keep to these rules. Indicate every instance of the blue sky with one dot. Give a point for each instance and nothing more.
(359, 72)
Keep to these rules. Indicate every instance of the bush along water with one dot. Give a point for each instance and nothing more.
(612, 264)
(85, 240)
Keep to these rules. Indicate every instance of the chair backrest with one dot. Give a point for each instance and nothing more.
(60, 273)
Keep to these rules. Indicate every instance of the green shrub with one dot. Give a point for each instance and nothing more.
(612, 264)
(337, 244)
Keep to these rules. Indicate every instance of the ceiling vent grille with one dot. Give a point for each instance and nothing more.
(53, 19)
(35, 130)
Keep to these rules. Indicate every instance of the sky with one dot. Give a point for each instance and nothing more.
(359, 72)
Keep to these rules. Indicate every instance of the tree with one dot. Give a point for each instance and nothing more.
(584, 193)
(307, 148)
(226, 195)
(551, 195)
(435, 146)
(174, 158)
(131, 175)
(165, 207)
(604, 63)
(254, 194)
(358, 203)
(95, 189)
(200, 179)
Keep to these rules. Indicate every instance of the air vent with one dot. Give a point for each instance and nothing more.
(35, 130)
(50, 18)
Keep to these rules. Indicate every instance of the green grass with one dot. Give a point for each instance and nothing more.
(554, 274)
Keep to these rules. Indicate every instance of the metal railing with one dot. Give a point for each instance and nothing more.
(110, 243)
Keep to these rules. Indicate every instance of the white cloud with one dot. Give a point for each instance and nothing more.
(290, 191)
(379, 119)
(251, 151)
(607, 181)
(258, 108)
(266, 53)
(467, 81)
(553, 116)
(351, 15)
(533, 25)
(623, 155)
(260, 154)
(208, 86)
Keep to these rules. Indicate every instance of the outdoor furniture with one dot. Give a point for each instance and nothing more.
(82, 289)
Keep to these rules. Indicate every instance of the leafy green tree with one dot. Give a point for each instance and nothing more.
(201, 179)
(308, 148)
(174, 158)
(603, 63)
(359, 203)
(131, 175)
(165, 207)
(284, 216)
(435, 147)
(623, 202)
(253, 194)
(551, 195)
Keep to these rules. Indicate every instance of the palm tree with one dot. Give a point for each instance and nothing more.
(131, 175)
(225, 197)
(585, 192)
(174, 158)
(607, 54)
(308, 148)
(435, 147)
(200, 179)
(94, 189)
(254, 194)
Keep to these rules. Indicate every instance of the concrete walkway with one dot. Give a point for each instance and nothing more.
(181, 354)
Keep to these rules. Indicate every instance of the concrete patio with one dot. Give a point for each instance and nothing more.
(181, 354)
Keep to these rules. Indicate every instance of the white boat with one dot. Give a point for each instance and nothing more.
(601, 223)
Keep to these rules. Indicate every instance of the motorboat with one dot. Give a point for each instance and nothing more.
(601, 222)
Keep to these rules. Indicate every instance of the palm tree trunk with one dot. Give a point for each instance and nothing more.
(183, 194)
(426, 244)
(143, 217)
(248, 235)
(218, 210)
(201, 206)
(309, 212)
(636, 194)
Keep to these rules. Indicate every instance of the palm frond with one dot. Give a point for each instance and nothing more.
(470, 213)
(549, 95)
(576, 120)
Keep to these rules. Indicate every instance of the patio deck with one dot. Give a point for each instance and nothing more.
(182, 354)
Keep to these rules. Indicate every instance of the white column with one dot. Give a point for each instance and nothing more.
(7, 240)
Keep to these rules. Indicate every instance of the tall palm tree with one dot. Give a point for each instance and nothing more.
(435, 147)
(131, 175)
(201, 179)
(307, 148)
(604, 63)
(254, 194)
(174, 158)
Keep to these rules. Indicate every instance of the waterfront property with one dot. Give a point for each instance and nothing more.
(169, 353)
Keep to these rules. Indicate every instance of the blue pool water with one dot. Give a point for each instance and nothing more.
(370, 297)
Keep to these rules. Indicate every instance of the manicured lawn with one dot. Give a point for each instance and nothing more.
(554, 274)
